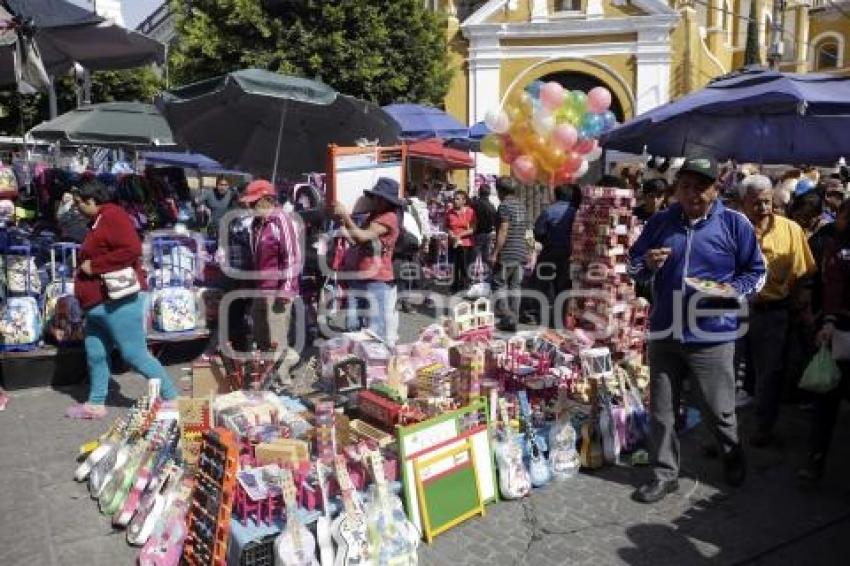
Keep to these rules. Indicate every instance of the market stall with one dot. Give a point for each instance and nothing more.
(385, 446)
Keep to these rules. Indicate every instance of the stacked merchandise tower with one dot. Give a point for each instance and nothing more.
(604, 304)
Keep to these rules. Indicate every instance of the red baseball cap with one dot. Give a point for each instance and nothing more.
(257, 190)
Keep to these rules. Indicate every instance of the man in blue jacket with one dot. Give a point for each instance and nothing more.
(692, 331)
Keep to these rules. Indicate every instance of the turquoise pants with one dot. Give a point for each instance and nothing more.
(120, 324)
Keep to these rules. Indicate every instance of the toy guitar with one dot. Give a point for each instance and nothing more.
(538, 467)
(395, 538)
(100, 448)
(591, 441)
(514, 482)
(161, 449)
(563, 458)
(607, 430)
(164, 542)
(295, 546)
(116, 490)
(323, 523)
(154, 502)
(349, 529)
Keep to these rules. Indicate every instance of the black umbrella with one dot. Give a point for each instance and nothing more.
(270, 124)
(56, 34)
(109, 124)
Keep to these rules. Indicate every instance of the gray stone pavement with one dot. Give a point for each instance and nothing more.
(48, 519)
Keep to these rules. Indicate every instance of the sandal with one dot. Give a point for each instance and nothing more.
(85, 411)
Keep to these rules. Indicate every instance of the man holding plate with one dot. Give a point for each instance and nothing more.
(702, 260)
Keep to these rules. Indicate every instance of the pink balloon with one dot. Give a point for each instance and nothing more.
(566, 136)
(552, 95)
(524, 169)
(598, 99)
(585, 146)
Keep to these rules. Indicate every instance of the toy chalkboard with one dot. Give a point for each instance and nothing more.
(352, 170)
(436, 438)
(448, 489)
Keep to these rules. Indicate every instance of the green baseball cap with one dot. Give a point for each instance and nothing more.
(705, 166)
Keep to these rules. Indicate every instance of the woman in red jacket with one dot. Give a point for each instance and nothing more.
(111, 245)
(460, 224)
(835, 302)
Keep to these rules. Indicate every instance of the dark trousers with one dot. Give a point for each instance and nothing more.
(483, 245)
(712, 378)
(826, 412)
(765, 345)
(462, 258)
(507, 278)
(552, 277)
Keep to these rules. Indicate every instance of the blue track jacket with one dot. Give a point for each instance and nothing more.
(721, 247)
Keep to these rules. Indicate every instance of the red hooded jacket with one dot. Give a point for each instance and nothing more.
(111, 244)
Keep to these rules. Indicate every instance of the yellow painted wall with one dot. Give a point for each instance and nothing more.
(821, 24)
(457, 99)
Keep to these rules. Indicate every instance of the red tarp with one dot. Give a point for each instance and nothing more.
(443, 157)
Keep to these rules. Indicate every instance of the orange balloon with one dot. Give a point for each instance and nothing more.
(514, 113)
(552, 158)
(526, 104)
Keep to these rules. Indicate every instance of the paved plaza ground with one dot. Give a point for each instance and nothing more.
(48, 519)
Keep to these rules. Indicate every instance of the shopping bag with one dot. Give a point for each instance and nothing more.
(822, 374)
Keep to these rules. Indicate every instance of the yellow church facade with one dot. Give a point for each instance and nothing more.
(646, 52)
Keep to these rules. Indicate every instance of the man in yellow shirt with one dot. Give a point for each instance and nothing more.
(789, 259)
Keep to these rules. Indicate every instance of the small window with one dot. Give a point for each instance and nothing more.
(826, 55)
(568, 5)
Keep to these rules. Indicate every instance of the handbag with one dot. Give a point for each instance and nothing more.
(121, 283)
(840, 345)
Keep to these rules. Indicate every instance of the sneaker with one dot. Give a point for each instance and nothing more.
(742, 399)
(735, 467)
(655, 491)
(813, 471)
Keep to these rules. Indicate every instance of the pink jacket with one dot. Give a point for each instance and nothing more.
(276, 249)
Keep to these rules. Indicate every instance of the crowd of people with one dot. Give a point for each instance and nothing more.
(784, 253)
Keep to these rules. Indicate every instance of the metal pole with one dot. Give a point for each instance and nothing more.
(279, 139)
(51, 98)
(776, 47)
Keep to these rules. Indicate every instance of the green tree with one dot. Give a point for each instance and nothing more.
(751, 52)
(140, 85)
(378, 50)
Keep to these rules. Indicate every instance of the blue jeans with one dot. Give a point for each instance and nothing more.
(378, 300)
(120, 323)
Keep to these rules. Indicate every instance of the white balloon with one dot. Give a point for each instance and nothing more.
(582, 169)
(594, 154)
(543, 122)
(497, 121)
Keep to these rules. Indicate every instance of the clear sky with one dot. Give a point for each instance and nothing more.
(134, 10)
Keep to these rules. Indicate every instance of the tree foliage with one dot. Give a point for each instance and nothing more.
(140, 85)
(379, 50)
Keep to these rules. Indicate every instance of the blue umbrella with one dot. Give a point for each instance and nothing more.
(750, 115)
(421, 122)
(190, 160)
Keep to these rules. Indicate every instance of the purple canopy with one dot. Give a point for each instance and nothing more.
(750, 115)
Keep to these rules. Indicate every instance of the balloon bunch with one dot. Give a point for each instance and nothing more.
(549, 134)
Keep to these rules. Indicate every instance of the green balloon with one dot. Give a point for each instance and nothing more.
(578, 100)
(491, 145)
